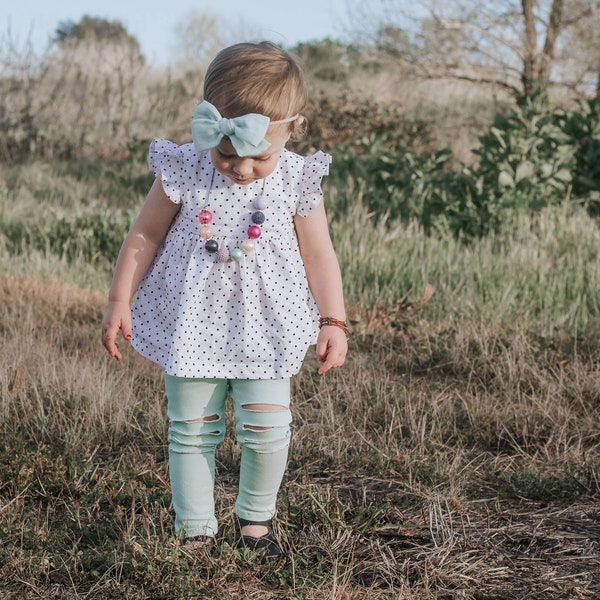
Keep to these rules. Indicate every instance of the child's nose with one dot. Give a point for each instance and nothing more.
(243, 166)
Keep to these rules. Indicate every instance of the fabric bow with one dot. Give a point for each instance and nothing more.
(246, 133)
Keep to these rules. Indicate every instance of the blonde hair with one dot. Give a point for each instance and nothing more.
(257, 78)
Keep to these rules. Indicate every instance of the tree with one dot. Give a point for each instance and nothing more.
(93, 28)
(327, 59)
(201, 34)
(99, 36)
(579, 58)
(512, 43)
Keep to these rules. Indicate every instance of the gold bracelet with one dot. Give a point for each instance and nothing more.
(335, 322)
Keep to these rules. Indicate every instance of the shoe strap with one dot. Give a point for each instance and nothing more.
(245, 522)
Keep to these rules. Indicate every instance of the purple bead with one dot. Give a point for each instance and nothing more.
(260, 203)
(258, 217)
(222, 254)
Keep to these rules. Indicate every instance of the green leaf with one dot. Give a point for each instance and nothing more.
(505, 179)
(564, 175)
(524, 171)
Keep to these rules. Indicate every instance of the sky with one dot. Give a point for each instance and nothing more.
(153, 22)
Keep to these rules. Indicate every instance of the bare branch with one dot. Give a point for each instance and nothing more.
(552, 32)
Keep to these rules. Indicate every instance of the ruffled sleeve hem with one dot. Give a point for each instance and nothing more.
(166, 160)
(316, 166)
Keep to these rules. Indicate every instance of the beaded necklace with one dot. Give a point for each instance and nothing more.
(205, 231)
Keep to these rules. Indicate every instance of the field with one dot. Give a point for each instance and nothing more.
(455, 455)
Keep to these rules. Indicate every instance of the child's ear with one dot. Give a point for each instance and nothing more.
(298, 128)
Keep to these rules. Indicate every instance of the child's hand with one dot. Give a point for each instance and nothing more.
(332, 346)
(117, 317)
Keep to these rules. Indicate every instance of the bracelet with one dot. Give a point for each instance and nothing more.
(335, 322)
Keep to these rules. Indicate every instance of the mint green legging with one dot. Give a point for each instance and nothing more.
(196, 410)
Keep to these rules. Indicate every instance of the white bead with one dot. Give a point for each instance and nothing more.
(247, 246)
(206, 232)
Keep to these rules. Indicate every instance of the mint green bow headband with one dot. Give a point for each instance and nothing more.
(246, 133)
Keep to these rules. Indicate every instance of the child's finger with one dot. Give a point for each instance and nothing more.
(126, 330)
(330, 360)
(324, 368)
(322, 350)
(109, 335)
(114, 352)
(113, 348)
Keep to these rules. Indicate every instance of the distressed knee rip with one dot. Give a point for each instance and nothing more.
(201, 419)
(260, 408)
(264, 427)
(196, 435)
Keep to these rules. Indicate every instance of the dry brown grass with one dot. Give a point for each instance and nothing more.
(445, 460)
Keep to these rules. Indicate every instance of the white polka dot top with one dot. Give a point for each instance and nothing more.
(252, 319)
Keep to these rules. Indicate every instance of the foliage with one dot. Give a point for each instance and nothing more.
(345, 123)
(583, 128)
(74, 211)
(535, 156)
(93, 28)
(327, 59)
(394, 181)
(526, 156)
(538, 268)
(201, 34)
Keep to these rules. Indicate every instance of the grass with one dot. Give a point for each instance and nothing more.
(540, 271)
(455, 455)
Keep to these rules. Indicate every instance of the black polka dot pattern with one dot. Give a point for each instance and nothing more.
(254, 319)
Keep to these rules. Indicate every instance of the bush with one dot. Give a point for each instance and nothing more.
(535, 156)
(583, 127)
(396, 181)
(344, 123)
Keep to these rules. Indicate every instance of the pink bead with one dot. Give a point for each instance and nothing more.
(205, 232)
(205, 217)
(254, 232)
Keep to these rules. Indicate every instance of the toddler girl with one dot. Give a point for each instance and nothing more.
(234, 276)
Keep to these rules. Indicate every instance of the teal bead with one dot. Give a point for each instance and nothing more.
(236, 254)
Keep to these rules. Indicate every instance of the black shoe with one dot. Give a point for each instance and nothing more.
(264, 543)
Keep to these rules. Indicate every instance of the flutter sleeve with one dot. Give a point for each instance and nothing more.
(316, 166)
(166, 159)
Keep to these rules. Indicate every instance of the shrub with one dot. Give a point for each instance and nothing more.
(396, 181)
(535, 156)
(344, 123)
(583, 127)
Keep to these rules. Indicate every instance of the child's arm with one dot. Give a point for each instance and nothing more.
(325, 282)
(136, 256)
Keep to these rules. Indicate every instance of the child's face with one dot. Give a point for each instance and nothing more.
(244, 170)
